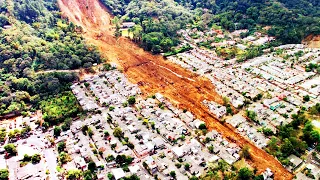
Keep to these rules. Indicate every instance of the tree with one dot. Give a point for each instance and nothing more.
(61, 146)
(132, 100)
(74, 174)
(4, 174)
(26, 158)
(245, 152)
(272, 144)
(11, 149)
(202, 126)
(64, 157)
(88, 175)
(173, 174)
(187, 166)
(117, 132)
(222, 165)
(245, 174)
(267, 131)
(211, 149)
(251, 115)
(57, 131)
(259, 177)
(35, 158)
(286, 148)
(92, 166)
(90, 132)
(106, 133)
(306, 98)
(132, 177)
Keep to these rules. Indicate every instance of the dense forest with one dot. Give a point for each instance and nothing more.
(157, 21)
(34, 39)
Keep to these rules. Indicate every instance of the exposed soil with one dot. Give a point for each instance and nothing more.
(155, 74)
(312, 41)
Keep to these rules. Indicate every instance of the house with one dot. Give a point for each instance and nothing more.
(267, 175)
(301, 176)
(178, 152)
(150, 165)
(295, 161)
(214, 158)
(236, 120)
(159, 143)
(126, 25)
(196, 123)
(80, 163)
(118, 173)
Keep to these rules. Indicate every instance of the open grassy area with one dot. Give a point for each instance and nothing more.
(60, 107)
(125, 33)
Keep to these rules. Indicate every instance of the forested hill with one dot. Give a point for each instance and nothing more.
(35, 38)
(290, 20)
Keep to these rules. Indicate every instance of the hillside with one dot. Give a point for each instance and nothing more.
(35, 39)
(290, 21)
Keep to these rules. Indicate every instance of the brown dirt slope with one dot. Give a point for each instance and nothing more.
(312, 41)
(154, 74)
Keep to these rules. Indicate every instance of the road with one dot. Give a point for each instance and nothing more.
(51, 163)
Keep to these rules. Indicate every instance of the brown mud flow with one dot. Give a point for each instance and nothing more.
(154, 74)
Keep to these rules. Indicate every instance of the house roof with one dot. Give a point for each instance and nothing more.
(178, 151)
(295, 160)
(118, 173)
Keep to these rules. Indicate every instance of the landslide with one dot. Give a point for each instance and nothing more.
(155, 74)
(312, 41)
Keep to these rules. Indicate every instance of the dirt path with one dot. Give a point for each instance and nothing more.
(51, 71)
(154, 74)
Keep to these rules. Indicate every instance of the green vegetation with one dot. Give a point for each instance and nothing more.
(132, 100)
(294, 138)
(11, 149)
(56, 131)
(179, 50)
(315, 110)
(156, 21)
(38, 40)
(117, 132)
(245, 174)
(123, 160)
(64, 157)
(311, 67)
(3, 134)
(57, 108)
(74, 174)
(290, 21)
(36, 158)
(251, 115)
(4, 174)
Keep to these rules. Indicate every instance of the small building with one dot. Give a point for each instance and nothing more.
(178, 152)
(126, 25)
(268, 174)
(159, 143)
(80, 163)
(295, 161)
(151, 165)
(118, 173)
